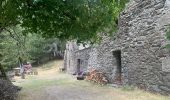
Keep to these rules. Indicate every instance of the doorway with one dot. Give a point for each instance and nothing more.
(118, 73)
(78, 65)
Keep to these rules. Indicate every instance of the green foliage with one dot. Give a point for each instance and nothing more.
(35, 46)
(8, 50)
(30, 47)
(12, 47)
(2, 73)
(168, 37)
(64, 19)
(8, 13)
(167, 46)
(168, 34)
(38, 47)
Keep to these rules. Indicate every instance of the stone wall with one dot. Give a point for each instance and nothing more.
(93, 59)
(83, 56)
(105, 59)
(70, 57)
(141, 41)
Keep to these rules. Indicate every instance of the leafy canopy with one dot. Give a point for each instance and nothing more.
(64, 19)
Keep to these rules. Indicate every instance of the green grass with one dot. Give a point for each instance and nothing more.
(34, 86)
(34, 83)
(128, 88)
(38, 84)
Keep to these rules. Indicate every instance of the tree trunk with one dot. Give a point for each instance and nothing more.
(3, 74)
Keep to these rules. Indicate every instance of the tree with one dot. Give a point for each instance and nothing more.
(12, 47)
(64, 19)
(16, 47)
(39, 47)
(8, 14)
(9, 49)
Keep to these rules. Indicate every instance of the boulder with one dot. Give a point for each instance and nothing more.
(7, 90)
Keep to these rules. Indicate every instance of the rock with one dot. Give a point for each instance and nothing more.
(8, 91)
(165, 89)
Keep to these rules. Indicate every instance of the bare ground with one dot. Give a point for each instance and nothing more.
(50, 84)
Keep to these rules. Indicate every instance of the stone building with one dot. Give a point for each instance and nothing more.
(69, 57)
(137, 54)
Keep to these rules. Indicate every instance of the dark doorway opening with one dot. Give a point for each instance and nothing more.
(117, 56)
(78, 65)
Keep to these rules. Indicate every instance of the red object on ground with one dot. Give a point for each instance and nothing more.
(97, 77)
(27, 68)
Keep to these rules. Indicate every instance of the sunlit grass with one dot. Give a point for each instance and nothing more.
(41, 83)
(34, 86)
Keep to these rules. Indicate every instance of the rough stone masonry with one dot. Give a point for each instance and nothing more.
(136, 55)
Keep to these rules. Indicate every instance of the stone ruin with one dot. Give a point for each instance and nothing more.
(136, 55)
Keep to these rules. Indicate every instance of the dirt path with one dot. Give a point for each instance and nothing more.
(50, 84)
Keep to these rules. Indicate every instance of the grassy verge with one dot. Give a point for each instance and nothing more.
(34, 87)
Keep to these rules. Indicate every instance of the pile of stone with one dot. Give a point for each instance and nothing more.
(97, 77)
(7, 90)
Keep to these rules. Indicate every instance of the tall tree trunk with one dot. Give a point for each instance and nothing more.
(3, 74)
